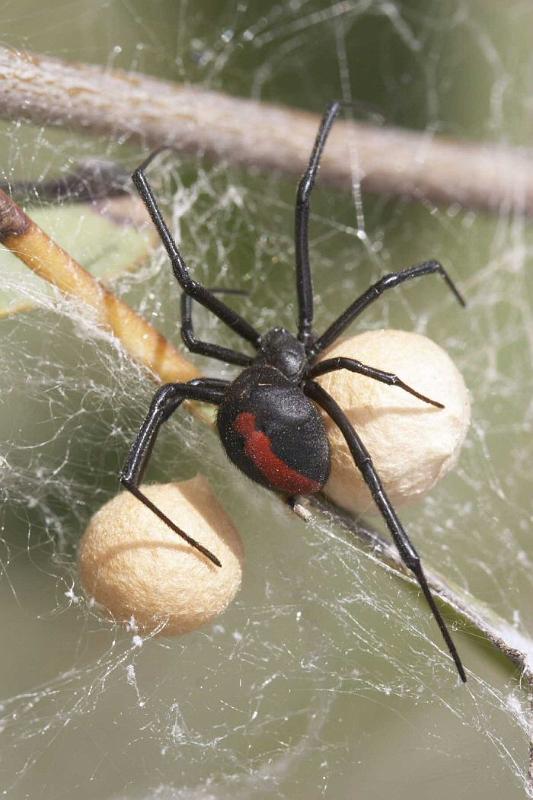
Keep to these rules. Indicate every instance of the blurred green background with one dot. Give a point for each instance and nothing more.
(326, 678)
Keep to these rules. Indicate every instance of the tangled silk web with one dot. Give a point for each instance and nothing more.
(328, 671)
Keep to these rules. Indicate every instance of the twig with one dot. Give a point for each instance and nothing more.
(42, 255)
(518, 648)
(392, 161)
(30, 244)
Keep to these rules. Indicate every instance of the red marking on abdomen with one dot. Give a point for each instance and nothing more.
(258, 448)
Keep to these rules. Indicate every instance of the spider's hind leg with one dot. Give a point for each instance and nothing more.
(407, 552)
(166, 400)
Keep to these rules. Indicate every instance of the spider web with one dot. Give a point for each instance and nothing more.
(327, 672)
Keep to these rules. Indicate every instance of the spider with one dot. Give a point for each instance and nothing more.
(268, 418)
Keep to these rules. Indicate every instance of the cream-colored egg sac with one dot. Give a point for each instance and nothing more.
(135, 566)
(412, 444)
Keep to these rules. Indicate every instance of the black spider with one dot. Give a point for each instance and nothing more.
(268, 418)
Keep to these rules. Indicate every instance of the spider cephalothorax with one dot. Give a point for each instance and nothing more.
(282, 350)
(268, 417)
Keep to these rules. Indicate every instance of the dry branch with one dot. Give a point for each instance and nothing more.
(505, 638)
(392, 161)
(42, 255)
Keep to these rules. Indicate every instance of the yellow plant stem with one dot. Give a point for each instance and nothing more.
(42, 255)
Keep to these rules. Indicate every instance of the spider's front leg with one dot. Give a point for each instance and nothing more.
(304, 283)
(406, 549)
(166, 400)
(375, 291)
(181, 272)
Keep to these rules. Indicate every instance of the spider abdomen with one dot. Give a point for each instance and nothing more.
(274, 433)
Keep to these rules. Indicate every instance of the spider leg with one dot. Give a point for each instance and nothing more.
(376, 290)
(166, 400)
(364, 463)
(304, 283)
(180, 269)
(334, 364)
(207, 348)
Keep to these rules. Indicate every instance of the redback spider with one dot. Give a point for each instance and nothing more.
(268, 420)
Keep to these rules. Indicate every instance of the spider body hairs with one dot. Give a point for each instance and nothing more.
(268, 417)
